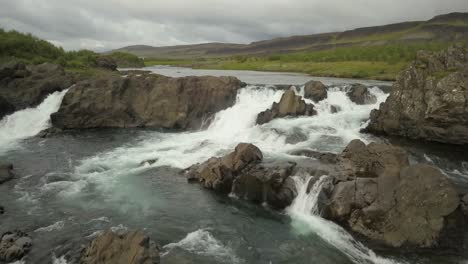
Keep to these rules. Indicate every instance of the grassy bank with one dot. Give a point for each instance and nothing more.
(373, 62)
(26, 48)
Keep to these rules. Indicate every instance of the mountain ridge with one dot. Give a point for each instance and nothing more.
(450, 27)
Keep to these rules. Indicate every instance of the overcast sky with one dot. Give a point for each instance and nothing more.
(107, 24)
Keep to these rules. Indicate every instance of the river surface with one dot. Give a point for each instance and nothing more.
(70, 187)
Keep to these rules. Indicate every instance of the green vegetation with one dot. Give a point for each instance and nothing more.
(372, 62)
(16, 46)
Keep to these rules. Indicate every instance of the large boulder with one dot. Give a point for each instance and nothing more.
(289, 105)
(359, 94)
(146, 100)
(127, 248)
(243, 174)
(378, 194)
(14, 246)
(315, 90)
(428, 100)
(24, 86)
(6, 172)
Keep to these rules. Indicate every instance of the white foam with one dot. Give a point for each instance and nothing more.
(304, 211)
(59, 225)
(201, 242)
(28, 122)
(60, 260)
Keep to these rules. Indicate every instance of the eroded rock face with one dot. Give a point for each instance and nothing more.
(106, 63)
(378, 194)
(315, 91)
(243, 173)
(128, 248)
(24, 86)
(289, 105)
(428, 100)
(14, 246)
(6, 172)
(359, 94)
(146, 100)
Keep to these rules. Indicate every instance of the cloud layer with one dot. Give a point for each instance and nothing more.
(108, 24)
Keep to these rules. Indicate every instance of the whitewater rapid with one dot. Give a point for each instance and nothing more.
(28, 122)
(306, 219)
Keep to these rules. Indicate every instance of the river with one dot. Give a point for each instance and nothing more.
(73, 186)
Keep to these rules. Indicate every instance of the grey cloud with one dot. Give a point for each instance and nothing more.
(107, 24)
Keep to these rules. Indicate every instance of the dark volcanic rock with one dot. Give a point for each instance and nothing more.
(429, 100)
(464, 202)
(126, 248)
(145, 101)
(14, 246)
(315, 91)
(378, 194)
(243, 173)
(6, 172)
(289, 105)
(26, 86)
(6, 107)
(359, 94)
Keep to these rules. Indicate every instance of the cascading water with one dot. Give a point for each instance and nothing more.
(306, 219)
(28, 122)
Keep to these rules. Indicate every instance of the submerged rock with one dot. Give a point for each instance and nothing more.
(378, 194)
(126, 248)
(315, 91)
(243, 174)
(145, 101)
(428, 100)
(6, 172)
(14, 246)
(359, 94)
(289, 105)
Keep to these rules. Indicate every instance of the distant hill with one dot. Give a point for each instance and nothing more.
(444, 28)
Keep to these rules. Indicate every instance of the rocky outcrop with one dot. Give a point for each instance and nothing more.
(429, 100)
(378, 194)
(289, 105)
(146, 100)
(24, 86)
(243, 174)
(106, 63)
(126, 248)
(14, 246)
(315, 91)
(6, 172)
(359, 94)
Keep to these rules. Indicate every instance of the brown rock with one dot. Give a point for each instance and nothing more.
(315, 91)
(14, 246)
(289, 105)
(129, 248)
(359, 94)
(464, 203)
(145, 101)
(242, 173)
(428, 100)
(27, 86)
(106, 63)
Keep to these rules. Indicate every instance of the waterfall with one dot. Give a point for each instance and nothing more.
(304, 212)
(28, 122)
